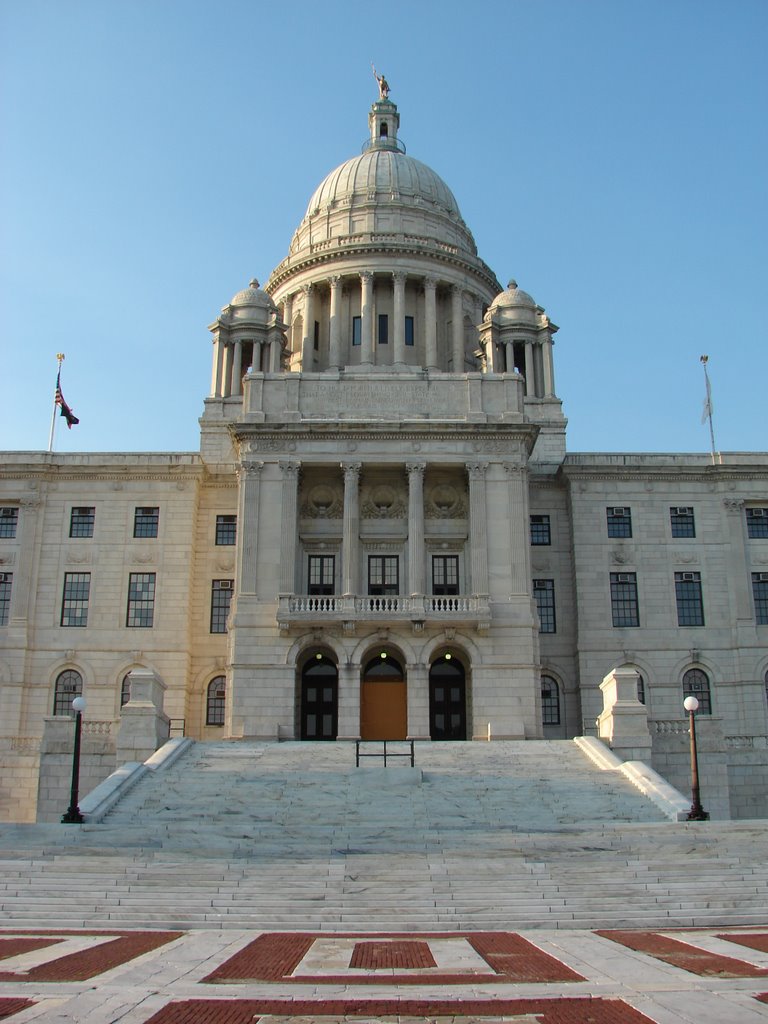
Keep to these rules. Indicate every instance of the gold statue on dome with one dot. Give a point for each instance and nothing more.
(382, 83)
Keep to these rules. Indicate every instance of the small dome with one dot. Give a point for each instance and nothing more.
(515, 296)
(515, 306)
(252, 296)
(251, 305)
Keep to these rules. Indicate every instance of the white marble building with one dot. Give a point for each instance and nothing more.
(382, 534)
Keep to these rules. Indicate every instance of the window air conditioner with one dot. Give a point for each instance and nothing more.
(4, 577)
(757, 513)
(619, 511)
(689, 575)
(225, 584)
(623, 577)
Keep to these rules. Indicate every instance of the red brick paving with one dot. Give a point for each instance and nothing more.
(378, 955)
(10, 1006)
(753, 940)
(15, 946)
(510, 958)
(548, 1011)
(681, 954)
(89, 962)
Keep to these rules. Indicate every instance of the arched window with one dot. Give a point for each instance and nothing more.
(696, 684)
(217, 697)
(68, 686)
(125, 690)
(550, 701)
(640, 688)
(766, 685)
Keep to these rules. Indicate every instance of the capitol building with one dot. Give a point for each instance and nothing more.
(383, 536)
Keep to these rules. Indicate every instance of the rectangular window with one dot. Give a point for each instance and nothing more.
(624, 607)
(81, 521)
(383, 329)
(146, 521)
(74, 602)
(226, 530)
(410, 337)
(544, 595)
(221, 598)
(9, 520)
(316, 336)
(690, 606)
(357, 330)
(619, 522)
(760, 594)
(445, 574)
(6, 582)
(681, 518)
(321, 575)
(757, 523)
(540, 531)
(141, 600)
(383, 574)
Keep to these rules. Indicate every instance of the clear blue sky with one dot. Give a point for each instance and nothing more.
(610, 155)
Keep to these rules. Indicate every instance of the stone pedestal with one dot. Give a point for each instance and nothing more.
(144, 726)
(623, 722)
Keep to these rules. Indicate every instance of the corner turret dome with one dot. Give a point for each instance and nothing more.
(251, 304)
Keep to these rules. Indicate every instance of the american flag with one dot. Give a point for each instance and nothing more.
(64, 409)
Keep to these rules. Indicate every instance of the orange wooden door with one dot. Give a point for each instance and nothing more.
(384, 710)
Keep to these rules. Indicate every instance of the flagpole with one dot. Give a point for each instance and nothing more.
(708, 411)
(60, 357)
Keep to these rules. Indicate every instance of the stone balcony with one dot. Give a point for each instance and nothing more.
(302, 610)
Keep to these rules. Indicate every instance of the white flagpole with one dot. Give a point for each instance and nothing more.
(60, 357)
(708, 412)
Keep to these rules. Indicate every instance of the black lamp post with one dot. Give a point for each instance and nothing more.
(73, 815)
(697, 812)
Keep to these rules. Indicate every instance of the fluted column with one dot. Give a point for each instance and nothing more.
(289, 531)
(308, 329)
(415, 527)
(398, 287)
(335, 322)
(457, 331)
(519, 537)
(226, 383)
(249, 477)
(478, 528)
(430, 322)
(237, 369)
(366, 316)
(350, 544)
(530, 372)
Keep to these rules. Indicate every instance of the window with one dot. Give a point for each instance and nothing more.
(125, 690)
(681, 518)
(69, 685)
(383, 574)
(624, 610)
(226, 530)
(757, 523)
(445, 574)
(550, 701)
(410, 337)
(81, 521)
(690, 607)
(6, 582)
(544, 594)
(221, 598)
(357, 330)
(383, 329)
(145, 522)
(141, 599)
(641, 689)
(74, 602)
(321, 574)
(216, 703)
(540, 530)
(619, 522)
(9, 520)
(696, 684)
(760, 594)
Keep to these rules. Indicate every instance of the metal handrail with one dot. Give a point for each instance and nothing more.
(385, 754)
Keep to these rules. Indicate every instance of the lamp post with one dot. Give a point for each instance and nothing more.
(73, 815)
(697, 812)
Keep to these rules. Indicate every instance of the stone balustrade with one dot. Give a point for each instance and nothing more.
(304, 609)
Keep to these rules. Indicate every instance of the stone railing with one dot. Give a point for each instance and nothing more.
(669, 727)
(302, 609)
(92, 727)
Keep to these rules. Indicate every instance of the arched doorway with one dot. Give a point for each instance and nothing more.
(383, 701)
(447, 699)
(319, 699)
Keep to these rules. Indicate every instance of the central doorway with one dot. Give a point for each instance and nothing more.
(447, 699)
(384, 700)
(319, 699)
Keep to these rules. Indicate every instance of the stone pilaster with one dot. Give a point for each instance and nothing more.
(398, 303)
(430, 323)
(308, 330)
(366, 316)
(289, 526)
(249, 476)
(457, 331)
(738, 560)
(415, 527)
(348, 725)
(418, 702)
(478, 528)
(519, 540)
(350, 545)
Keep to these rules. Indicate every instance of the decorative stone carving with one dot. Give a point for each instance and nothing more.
(445, 501)
(323, 501)
(383, 501)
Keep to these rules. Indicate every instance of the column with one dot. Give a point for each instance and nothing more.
(415, 472)
(509, 356)
(430, 323)
(349, 702)
(530, 374)
(366, 316)
(249, 478)
(237, 369)
(274, 353)
(226, 383)
(289, 532)
(478, 528)
(519, 538)
(457, 333)
(398, 288)
(350, 544)
(218, 364)
(335, 322)
(256, 357)
(308, 330)
(288, 321)
(549, 371)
